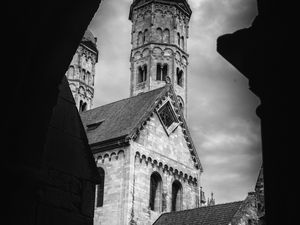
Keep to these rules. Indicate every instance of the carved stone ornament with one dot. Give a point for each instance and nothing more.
(168, 117)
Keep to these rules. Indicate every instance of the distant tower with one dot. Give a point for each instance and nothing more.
(81, 72)
(211, 201)
(159, 46)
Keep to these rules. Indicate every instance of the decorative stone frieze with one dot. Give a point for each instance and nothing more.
(155, 163)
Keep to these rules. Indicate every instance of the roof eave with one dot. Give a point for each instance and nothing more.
(118, 142)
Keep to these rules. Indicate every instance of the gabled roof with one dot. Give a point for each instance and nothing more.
(119, 118)
(121, 121)
(221, 214)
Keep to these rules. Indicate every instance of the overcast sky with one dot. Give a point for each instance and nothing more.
(221, 109)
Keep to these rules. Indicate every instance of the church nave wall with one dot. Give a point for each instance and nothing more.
(115, 164)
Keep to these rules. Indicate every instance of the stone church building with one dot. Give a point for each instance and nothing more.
(142, 145)
(149, 168)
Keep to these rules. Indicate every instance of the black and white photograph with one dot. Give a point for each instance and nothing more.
(148, 112)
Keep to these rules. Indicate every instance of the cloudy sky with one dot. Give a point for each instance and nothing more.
(221, 109)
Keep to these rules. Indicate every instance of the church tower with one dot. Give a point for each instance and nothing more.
(159, 46)
(81, 72)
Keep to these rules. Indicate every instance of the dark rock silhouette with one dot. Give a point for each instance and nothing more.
(263, 53)
(47, 166)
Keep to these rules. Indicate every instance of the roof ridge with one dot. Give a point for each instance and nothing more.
(123, 99)
(208, 206)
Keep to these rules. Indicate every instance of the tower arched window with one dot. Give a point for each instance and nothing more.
(178, 39)
(140, 38)
(164, 72)
(142, 74)
(179, 76)
(100, 188)
(159, 35)
(166, 36)
(146, 36)
(176, 196)
(155, 201)
(82, 106)
(161, 72)
(158, 71)
(182, 42)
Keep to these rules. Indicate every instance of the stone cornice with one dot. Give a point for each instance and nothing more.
(161, 44)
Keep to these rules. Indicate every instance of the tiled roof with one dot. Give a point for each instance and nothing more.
(121, 117)
(220, 214)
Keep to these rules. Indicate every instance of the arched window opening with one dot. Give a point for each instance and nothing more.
(179, 76)
(146, 36)
(161, 72)
(182, 42)
(140, 38)
(164, 72)
(142, 74)
(176, 196)
(166, 36)
(158, 71)
(178, 39)
(80, 105)
(145, 73)
(155, 202)
(84, 106)
(159, 35)
(100, 188)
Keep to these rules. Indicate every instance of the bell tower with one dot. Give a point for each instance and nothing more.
(81, 72)
(159, 46)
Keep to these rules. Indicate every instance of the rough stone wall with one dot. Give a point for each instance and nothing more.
(116, 164)
(247, 214)
(164, 25)
(168, 156)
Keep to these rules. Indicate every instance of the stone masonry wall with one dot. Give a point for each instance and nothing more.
(128, 172)
(169, 156)
(116, 185)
